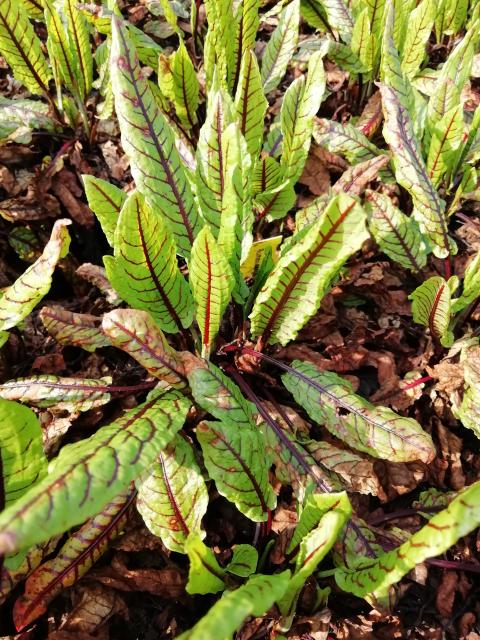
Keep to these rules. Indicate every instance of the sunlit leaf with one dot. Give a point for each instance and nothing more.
(315, 544)
(21, 451)
(253, 598)
(411, 173)
(72, 561)
(302, 276)
(446, 139)
(144, 269)
(355, 179)
(234, 448)
(280, 47)
(244, 561)
(78, 329)
(185, 86)
(106, 201)
(205, 574)
(173, 497)
(250, 103)
(431, 306)
(212, 284)
(471, 286)
(79, 37)
(379, 431)
(362, 43)
(149, 144)
(468, 412)
(75, 394)
(437, 536)
(21, 47)
(27, 291)
(299, 106)
(345, 140)
(339, 18)
(19, 117)
(396, 234)
(418, 31)
(136, 333)
(89, 474)
(248, 20)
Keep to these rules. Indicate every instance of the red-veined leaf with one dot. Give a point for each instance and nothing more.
(90, 473)
(72, 561)
(78, 329)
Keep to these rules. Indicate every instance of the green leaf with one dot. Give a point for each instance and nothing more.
(212, 160)
(431, 306)
(344, 57)
(234, 449)
(443, 530)
(363, 42)
(411, 173)
(21, 451)
(144, 269)
(79, 329)
(451, 17)
(355, 179)
(345, 140)
(248, 20)
(244, 561)
(315, 546)
(253, 598)
(106, 201)
(69, 394)
(302, 276)
(233, 459)
(217, 394)
(418, 31)
(25, 293)
(250, 103)
(445, 144)
(60, 50)
(452, 78)
(396, 234)
(313, 12)
(72, 561)
(220, 42)
(173, 497)
(205, 574)
(89, 474)
(315, 507)
(79, 37)
(273, 197)
(294, 465)
(300, 104)
(150, 144)
(185, 86)
(379, 431)
(212, 284)
(376, 14)
(471, 286)
(468, 412)
(339, 18)
(34, 8)
(280, 47)
(21, 47)
(136, 333)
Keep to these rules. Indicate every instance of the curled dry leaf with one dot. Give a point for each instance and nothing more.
(96, 606)
(168, 583)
